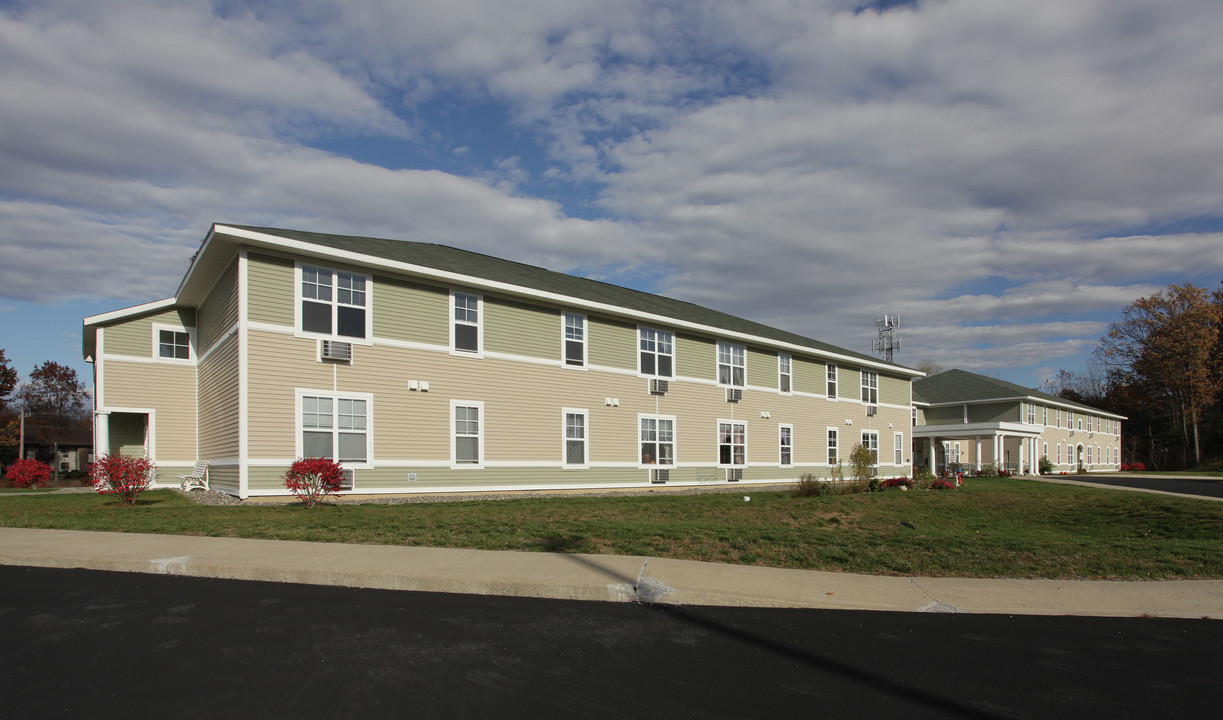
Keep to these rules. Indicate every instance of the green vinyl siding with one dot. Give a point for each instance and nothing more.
(134, 338)
(945, 415)
(127, 434)
(219, 311)
(994, 412)
(893, 390)
(696, 357)
(612, 343)
(810, 376)
(849, 383)
(410, 312)
(762, 368)
(518, 329)
(270, 290)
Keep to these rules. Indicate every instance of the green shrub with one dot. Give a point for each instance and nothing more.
(811, 486)
(988, 470)
(923, 479)
(1046, 466)
(862, 463)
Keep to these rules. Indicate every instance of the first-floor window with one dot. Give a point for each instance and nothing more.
(832, 446)
(732, 443)
(870, 441)
(1088, 454)
(657, 440)
(1058, 448)
(467, 433)
(1045, 447)
(335, 427)
(575, 437)
(785, 443)
(898, 445)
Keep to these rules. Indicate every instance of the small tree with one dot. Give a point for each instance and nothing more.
(29, 473)
(55, 400)
(121, 475)
(1046, 465)
(312, 479)
(862, 464)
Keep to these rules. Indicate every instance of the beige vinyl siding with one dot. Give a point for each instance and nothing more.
(410, 312)
(225, 478)
(277, 364)
(134, 338)
(945, 415)
(696, 357)
(994, 412)
(219, 311)
(218, 398)
(270, 290)
(165, 388)
(612, 343)
(517, 329)
(762, 368)
(810, 376)
(893, 390)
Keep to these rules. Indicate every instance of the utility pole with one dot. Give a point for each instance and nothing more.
(887, 343)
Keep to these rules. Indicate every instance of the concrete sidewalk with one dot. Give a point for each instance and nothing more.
(613, 578)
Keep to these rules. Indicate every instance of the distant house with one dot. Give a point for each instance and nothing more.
(425, 368)
(964, 419)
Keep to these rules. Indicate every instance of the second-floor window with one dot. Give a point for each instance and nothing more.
(870, 387)
(832, 382)
(731, 364)
(575, 339)
(784, 375)
(657, 352)
(466, 322)
(333, 302)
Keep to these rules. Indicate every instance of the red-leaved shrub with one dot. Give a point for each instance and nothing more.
(29, 473)
(942, 485)
(121, 475)
(311, 479)
(903, 482)
(1138, 467)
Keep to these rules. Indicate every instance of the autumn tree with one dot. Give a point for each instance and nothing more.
(1167, 345)
(8, 382)
(55, 400)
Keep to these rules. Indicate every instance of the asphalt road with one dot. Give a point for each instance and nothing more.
(81, 643)
(1209, 487)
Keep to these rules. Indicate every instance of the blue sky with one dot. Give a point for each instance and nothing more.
(1004, 174)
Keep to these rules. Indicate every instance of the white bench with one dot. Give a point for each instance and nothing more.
(197, 478)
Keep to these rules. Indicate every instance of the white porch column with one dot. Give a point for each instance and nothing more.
(930, 456)
(101, 434)
(979, 461)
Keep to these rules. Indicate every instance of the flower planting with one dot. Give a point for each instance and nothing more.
(312, 479)
(942, 485)
(900, 482)
(29, 473)
(120, 475)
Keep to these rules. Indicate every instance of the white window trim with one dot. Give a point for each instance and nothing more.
(836, 381)
(828, 458)
(875, 433)
(297, 306)
(898, 446)
(637, 353)
(866, 389)
(717, 362)
(781, 374)
(780, 428)
(335, 397)
(478, 404)
(479, 324)
(674, 442)
(565, 413)
(191, 354)
(585, 342)
(718, 444)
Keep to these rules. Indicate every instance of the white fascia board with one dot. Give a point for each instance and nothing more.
(1032, 398)
(129, 312)
(507, 288)
(956, 430)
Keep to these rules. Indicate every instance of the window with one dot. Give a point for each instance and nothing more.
(1088, 454)
(1031, 414)
(1045, 452)
(732, 443)
(1059, 418)
(1044, 420)
(333, 302)
(657, 353)
(657, 440)
(465, 329)
(785, 445)
(467, 433)
(575, 339)
(731, 363)
(832, 382)
(833, 458)
(575, 438)
(784, 376)
(1070, 419)
(1058, 449)
(870, 441)
(870, 387)
(173, 343)
(913, 417)
(1080, 423)
(334, 427)
(898, 446)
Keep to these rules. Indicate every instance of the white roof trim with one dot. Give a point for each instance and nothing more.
(472, 281)
(129, 312)
(1033, 398)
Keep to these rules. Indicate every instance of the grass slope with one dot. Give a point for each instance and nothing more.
(990, 528)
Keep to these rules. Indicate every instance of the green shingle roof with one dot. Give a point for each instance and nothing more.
(958, 386)
(448, 259)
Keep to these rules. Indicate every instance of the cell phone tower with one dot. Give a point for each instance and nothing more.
(888, 343)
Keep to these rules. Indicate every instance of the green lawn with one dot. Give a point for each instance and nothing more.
(990, 528)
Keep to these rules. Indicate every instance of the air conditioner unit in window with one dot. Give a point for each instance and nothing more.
(734, 395)
(871, 410)
(346, 478)
(734, 474)
(336, 350)
(659, 387)
(658, 476)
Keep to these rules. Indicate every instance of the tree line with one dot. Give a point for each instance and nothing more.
(53, 401)
(1160, 365)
